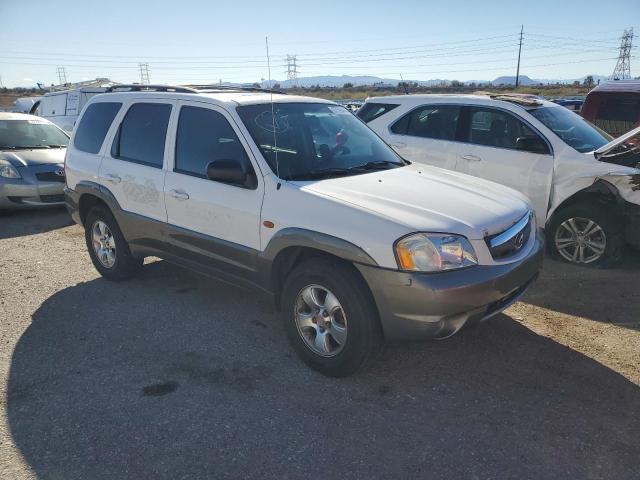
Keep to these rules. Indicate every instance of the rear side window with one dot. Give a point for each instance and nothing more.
(204, 136)
(432, 121)
(94, 125)
(371, 111)
(142, 134)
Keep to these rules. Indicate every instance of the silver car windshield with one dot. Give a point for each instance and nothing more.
(572, 129)
(23, 134)
(304, 141)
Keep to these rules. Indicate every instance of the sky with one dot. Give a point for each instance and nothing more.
(197, 41)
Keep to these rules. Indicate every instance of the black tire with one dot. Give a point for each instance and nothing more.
(364, 334)
(126, 265)
(608, 221)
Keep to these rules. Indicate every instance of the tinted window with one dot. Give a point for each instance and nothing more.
(618, 114)
(371, 111)
(204, 136)
(496, 128)
(315, 140)
(94, 125)
(571, 128)
(433, 121)
(142, 134)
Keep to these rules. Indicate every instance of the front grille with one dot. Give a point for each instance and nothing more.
(50, 177)
(52, 198)
(511, 241)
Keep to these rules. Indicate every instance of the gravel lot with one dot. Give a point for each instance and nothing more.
(174, 375)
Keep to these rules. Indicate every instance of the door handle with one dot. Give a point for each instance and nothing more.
(472, 158)
(179, 194)
(398, 144)
(113, 178)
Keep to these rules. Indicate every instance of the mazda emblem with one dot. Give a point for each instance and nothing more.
(519, 240)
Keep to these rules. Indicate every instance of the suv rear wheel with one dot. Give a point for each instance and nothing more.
(586, 234)
(107, 247)
(330, 317)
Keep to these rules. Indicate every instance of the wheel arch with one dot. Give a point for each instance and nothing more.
(599, 192)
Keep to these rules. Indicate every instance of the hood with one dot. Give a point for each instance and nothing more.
(425, 198)
(624, 150)
(37, 156)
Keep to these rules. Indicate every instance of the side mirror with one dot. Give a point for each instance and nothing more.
(232, 172)
(532, 144)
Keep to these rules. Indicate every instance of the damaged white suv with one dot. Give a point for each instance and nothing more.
(298, 198)
(584, 186)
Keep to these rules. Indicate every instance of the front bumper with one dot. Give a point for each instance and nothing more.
(416, 306)
(29, 191)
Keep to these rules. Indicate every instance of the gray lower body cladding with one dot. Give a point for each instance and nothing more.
(416, 306)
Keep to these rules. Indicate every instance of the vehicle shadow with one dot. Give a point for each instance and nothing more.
(19, 223)
(173, 375)
(605, 295)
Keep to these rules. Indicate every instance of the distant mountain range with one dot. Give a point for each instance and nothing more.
(339, 81)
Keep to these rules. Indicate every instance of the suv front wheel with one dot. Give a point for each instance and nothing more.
(330, 317)
(107, 247)
(586, 234)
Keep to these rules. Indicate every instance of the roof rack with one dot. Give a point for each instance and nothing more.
(232, 88)
(137, 87)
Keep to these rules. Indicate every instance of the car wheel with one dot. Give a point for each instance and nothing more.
(330, 317)
(107, 247)
(586, 235)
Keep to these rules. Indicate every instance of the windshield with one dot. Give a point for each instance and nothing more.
(31, 134)
(572, 129)
(315, 140)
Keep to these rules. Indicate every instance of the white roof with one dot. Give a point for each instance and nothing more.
(20, 116)
(231, 99)
(455, 98)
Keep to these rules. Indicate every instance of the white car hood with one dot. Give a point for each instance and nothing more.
(425, 198)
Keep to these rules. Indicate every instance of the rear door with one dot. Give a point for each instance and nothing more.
(132, 168)
(212, 221)
(427, 135)
(499, 146)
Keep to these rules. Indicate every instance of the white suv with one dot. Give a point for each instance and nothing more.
(584, 186)
(297, 197)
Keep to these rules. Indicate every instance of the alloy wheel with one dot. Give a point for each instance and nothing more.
(104, 245)
(321, 320)
(580, 240)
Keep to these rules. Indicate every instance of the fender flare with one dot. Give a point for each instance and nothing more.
(600, 187)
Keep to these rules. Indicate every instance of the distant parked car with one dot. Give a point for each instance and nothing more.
(572, 104)
(32, 152)
(614, 106)
(584, 186)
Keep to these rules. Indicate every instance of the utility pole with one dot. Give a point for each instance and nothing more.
(62, 76)
(144, 73)
(292, 68)
(623, 65)
(519, 51)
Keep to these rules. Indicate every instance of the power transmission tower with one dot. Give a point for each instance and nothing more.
(292, 68)
(1, 85)
(144, 74)
(519, 51)
(623, 66)
(62, 76)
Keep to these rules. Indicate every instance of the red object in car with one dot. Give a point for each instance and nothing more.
(614, 106)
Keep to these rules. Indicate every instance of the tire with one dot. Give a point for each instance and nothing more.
(606, 230)
(123, 265)
(352, 333)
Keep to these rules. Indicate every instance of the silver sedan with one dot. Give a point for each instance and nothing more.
(32, 152)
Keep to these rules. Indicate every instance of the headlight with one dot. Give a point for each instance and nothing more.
(8, 171)
(434, 252)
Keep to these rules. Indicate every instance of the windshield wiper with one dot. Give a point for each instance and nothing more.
(56, 146)
(378, 165)
(324, 173)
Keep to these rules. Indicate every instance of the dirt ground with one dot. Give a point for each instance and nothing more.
(175, 375)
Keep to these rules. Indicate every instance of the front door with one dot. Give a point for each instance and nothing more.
(212, 221)
(500, 147)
